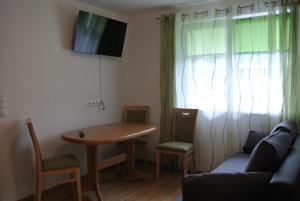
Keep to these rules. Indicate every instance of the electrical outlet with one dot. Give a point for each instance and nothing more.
(94, 103)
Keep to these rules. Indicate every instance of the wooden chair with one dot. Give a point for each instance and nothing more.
(65, 164)
(138, 114)
(183, 134)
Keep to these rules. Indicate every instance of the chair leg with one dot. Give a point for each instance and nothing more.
(119, 151)
(78, 184)
(157, 164)
(38, 188)
(194, 162)
(185, 164)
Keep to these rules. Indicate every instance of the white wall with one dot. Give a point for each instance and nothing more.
(43, 79)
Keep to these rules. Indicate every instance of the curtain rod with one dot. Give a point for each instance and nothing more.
(218, 11)
(289, 2)
(267, 4)
(187, 14)
(239, 8)
(201, 13)
(247, 6)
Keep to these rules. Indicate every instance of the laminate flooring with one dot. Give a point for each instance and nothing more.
(118, 188)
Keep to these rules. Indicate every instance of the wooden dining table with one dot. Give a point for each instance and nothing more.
(108, 134)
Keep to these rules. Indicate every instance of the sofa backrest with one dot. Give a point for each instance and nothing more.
(285, 184)
(287, 126)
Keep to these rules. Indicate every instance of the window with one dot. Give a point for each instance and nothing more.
(229, 65)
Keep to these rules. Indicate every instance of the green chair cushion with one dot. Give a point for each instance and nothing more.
(60, 162)
(177, 146)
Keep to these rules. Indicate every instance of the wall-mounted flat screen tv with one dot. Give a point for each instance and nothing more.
(99, 35)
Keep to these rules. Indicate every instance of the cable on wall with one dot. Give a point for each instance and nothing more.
(101, 104)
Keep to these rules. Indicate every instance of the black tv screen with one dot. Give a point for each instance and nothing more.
(99, 35)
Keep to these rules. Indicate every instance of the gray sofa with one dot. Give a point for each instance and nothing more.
(268, 169)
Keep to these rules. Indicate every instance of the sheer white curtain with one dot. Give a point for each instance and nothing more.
(228, 67)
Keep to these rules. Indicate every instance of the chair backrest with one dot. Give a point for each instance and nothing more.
(136, 114)
(36, 146)
(184, 124)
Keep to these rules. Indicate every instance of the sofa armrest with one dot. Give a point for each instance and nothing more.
(225, 186)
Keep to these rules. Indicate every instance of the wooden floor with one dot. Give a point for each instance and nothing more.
(117, 188)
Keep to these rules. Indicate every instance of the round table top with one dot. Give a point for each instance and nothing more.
(108, 133)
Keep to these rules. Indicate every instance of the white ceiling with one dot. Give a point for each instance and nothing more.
(128, 7)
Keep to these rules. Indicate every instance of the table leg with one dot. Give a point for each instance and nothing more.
(93, 174)
(131, 157)
(132, 171)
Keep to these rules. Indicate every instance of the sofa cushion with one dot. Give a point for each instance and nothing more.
(229, 178)
(281, 141)
(285, 182)
(289, 170)
(262, 158)
(269, 153)
(253, 139)
(287, 126)
(245, 186)
(237, 163)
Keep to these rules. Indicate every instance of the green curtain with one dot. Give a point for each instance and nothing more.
(167, 75)
(289, 46)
